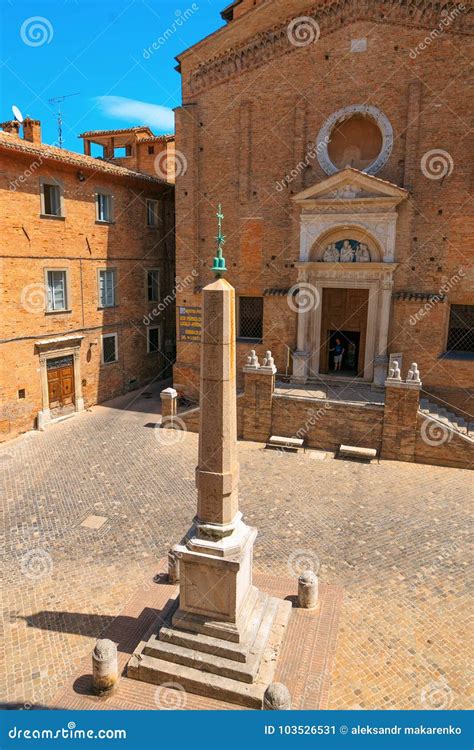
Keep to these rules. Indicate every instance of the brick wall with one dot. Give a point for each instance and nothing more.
(247, 123)
(80, 246)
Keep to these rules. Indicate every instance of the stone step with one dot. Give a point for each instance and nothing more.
(209, 663)
(448, 418)
(160, 672)
(209, 640)
(355, 451)
(285, 443)
(203, 643)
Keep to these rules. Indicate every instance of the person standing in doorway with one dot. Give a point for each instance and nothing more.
(339, 351)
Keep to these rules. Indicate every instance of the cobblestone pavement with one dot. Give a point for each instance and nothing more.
(393, 535)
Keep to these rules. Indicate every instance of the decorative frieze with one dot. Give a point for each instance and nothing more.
(328, 14)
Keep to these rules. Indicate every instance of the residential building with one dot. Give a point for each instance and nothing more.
(87, 278)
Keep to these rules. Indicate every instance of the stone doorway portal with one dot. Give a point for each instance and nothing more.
(344, 318)
(61, 385)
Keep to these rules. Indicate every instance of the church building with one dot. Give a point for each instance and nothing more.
(336, 135)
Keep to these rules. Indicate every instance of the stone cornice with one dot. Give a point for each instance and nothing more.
(329, 15)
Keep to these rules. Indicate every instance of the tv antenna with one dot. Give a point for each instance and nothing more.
(57, 100)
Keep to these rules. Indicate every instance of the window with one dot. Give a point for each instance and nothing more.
(51, 199)
(109, 348)
(56, 286)
(251, 318)
(461, 329)
(153, 285)
(151, 149)
(104, 207)
(153, 339)
(152, 213)
(107, 287)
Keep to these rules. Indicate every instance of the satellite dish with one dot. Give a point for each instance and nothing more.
(17, 114)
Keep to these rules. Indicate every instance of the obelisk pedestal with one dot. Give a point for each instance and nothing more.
(221, 636)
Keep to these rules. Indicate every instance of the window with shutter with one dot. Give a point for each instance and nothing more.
(56, 283)
(109, 348)
(107, 285)
(461, 329)
(251, 318)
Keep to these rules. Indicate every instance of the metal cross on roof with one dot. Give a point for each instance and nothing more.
(219, 266)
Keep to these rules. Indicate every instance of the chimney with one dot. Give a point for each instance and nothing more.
(32, 130)
(11, 126)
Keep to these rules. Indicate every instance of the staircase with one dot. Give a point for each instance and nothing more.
(448, 418)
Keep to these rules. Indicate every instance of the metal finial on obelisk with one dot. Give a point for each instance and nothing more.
(219, 261)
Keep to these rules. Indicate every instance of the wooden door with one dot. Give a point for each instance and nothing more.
(343, 310)
(60, 381)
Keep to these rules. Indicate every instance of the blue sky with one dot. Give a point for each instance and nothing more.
(104, 51)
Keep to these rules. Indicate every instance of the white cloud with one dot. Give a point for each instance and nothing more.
(137, 113)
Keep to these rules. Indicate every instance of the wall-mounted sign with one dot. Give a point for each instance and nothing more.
(189, 324)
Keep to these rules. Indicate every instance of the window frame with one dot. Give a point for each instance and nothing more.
(157, 204)
(115, 287)
(109, 336)
(51, 182)
(152, 270)
(108, 194)
(160, 339)
(248, 338)
(67, 297)
(455, 353)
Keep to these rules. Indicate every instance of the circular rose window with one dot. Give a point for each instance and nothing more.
(359, 136)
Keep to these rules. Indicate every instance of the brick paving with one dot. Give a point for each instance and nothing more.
(393, 536)
(303, 665)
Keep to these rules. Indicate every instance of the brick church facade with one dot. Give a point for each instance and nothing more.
(86, 263)
(336, 135)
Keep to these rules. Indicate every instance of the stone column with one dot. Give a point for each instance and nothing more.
(221, 637)
(402, 400)
(78, 399)
(301, 355)
(169, 406)
(259, 384)
(216, 563)
(381, 356)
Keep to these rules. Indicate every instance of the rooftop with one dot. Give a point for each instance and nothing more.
(11, 142)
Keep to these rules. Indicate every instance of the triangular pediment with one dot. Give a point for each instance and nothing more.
(352, 185)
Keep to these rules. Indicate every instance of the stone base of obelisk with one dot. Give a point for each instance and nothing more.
(221, 637)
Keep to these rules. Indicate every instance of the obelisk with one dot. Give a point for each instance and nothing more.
(221, 636)
(217, 590)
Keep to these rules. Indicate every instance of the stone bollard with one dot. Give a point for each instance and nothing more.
(308, 590)
(169, 406)
(104, 666)
(277, 698)
(173, 566)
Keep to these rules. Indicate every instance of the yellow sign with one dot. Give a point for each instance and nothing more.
(190, 323)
